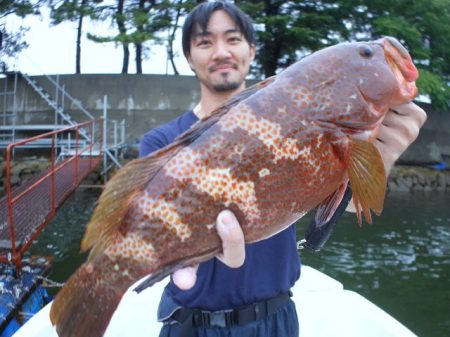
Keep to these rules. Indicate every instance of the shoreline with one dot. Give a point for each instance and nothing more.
(401, 179)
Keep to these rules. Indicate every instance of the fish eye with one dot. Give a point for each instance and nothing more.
(366, 51)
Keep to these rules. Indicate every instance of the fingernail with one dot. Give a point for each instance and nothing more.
(226, 218)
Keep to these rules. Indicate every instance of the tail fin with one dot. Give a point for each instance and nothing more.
(85, 305)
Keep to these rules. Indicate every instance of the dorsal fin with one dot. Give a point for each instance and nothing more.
(119, 192)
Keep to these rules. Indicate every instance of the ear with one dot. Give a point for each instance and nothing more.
(252, 52)
(191, 64)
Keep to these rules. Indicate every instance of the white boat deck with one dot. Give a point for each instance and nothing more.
(324, 307)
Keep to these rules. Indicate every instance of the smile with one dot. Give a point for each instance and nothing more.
(223, 66)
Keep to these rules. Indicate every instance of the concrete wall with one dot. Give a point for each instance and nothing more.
(146, 101)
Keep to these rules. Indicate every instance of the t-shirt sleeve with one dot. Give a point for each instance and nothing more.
(152, 141)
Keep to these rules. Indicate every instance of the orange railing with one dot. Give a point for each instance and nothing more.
(49, 185)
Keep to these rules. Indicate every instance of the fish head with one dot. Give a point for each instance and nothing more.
(388, 75)
(356, 83)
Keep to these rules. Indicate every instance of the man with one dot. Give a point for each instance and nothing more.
(219, 44)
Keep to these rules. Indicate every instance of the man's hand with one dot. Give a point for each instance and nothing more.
(233, 250)
(398, 130)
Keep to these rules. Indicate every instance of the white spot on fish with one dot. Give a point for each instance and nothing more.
(216, 182)
(131, 246)
(319, 140)
(264, 172)
(268, 132)
(348, 108)
(116, 267)
(167, 212)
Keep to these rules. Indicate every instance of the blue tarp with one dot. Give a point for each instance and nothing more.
(20, 296)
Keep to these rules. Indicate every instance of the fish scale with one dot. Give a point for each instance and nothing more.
(272, 153)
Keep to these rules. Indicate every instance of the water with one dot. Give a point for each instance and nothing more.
(401, 262)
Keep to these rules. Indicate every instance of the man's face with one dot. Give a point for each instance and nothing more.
(221, 55)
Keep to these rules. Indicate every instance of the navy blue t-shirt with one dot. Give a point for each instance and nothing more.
(271, 266)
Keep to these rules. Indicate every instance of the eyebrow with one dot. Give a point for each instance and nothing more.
(208, 33)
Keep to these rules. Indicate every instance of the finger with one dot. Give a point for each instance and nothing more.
(233, 243)
(185, 278)
(398, 130)
(412, 111)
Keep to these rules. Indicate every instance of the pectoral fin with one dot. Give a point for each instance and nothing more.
(367, 178)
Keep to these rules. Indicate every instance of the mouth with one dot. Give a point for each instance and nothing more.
(402, 65)
(399, 58)
(222, 67)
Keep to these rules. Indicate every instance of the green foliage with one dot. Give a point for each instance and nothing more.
(424, 27)
(71, 10)
(11, 43)
(20, 8)
(288, 30)
(141, 23)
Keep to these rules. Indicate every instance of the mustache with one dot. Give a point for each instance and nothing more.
(218, 65)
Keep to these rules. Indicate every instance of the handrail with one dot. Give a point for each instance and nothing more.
(17, 252)
(72, 100)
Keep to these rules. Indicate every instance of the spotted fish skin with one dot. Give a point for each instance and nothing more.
(270, 155)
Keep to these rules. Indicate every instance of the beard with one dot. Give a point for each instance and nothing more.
(226, 84)
(223, 87)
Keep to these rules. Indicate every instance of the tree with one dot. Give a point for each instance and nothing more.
(421, 25)
(288, 30)
(138, 21)
(11, 43)
(178, 9)
(73, 10)
(148, 18)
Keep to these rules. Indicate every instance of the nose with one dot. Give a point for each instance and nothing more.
(221, 50)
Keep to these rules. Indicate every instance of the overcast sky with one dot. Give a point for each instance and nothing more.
(52, 50)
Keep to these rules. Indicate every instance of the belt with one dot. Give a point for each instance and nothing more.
(190, 318)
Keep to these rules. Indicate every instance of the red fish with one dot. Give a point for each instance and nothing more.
(271, 154)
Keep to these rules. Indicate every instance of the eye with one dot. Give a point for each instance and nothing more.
(366, 51)
(203, 42)
(234, 39)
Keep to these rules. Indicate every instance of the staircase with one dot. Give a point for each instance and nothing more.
(54, 104)
(9, 129)
(8, 118)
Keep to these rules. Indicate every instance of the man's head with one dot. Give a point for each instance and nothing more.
(219, 44)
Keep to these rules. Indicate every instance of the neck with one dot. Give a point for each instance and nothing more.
(211, 100)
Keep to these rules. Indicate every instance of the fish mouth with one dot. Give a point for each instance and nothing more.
(401, 64)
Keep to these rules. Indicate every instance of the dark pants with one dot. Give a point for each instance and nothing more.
(283, 323)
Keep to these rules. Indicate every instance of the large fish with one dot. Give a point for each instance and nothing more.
(271, 154)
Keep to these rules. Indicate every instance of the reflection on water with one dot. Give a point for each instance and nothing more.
(401, 262)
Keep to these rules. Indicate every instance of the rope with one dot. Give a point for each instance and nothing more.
(48, 283)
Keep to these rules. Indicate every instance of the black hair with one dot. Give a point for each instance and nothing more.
(200, 15)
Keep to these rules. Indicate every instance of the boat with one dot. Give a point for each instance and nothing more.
(324, 308)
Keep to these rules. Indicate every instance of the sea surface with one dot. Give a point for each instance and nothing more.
(401, 262)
